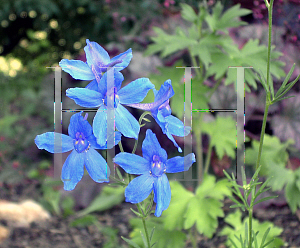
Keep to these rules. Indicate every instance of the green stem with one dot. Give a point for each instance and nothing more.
(263, 129)
(208, 157)
(140, 121)
(192, 238)
(120, 146)
(270, 10)
(250, 227)
(144, 224)
(262, 134)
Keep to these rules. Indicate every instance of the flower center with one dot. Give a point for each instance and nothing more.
(157, 167)
(112, 96)
(81, 144)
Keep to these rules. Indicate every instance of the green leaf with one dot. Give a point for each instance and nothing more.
(173, 216)
(216, 21)
(274, 153)
(84, 221)
(264, 237)
(187, 13)
(109, 197)
(144, 240)
(252, 54)
(287, 78)
(292, 193)
(130, 242)
(288, 87)
(265, 199)
(162, 237)
(237, 228)
(168, 44)
(204, 213)
(137, 213)
(152, 232)
(283, 98)
(222, 134)
(205, 208)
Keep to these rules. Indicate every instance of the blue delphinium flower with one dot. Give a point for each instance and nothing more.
(97, 63)
(152, 168)
(83, 143)
(97, 95)
(161, 112)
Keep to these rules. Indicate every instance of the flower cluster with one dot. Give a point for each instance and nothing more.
(83, 138)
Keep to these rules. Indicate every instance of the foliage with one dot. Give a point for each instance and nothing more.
(274, 153)
(162, 238)
(274, 159)
(109, 233)
(222, 134)
(213, 47)
(237, 229)
(51, 196)
(202, 208)
(176, 75)
(109, 197)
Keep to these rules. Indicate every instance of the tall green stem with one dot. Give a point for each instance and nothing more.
(263, 129)
(250, 227)
(144, 224)
(270, 10)
(140, 121)
(262, 134)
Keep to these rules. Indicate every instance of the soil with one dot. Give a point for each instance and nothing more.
(57, 233)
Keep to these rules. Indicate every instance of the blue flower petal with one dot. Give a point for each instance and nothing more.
(126, 123)
(79, 124)
(85, 97)
(165, 92)
(100, 126)
(92, 85)
(124, 57)
(96, 166)
(151, 147)
(118, 79)
(176, 126)
(131, 163)
(46, 141)
(180, 164)
(77, 69)
(94, 144)
(135, 91)
(95, 54)
(72, 170)
(165, 128)
(139, 188)
(162, 194)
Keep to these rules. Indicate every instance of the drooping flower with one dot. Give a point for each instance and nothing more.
(98, 95)
(97, 62)
(161, 112)
(152, 168)
(82, 142)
